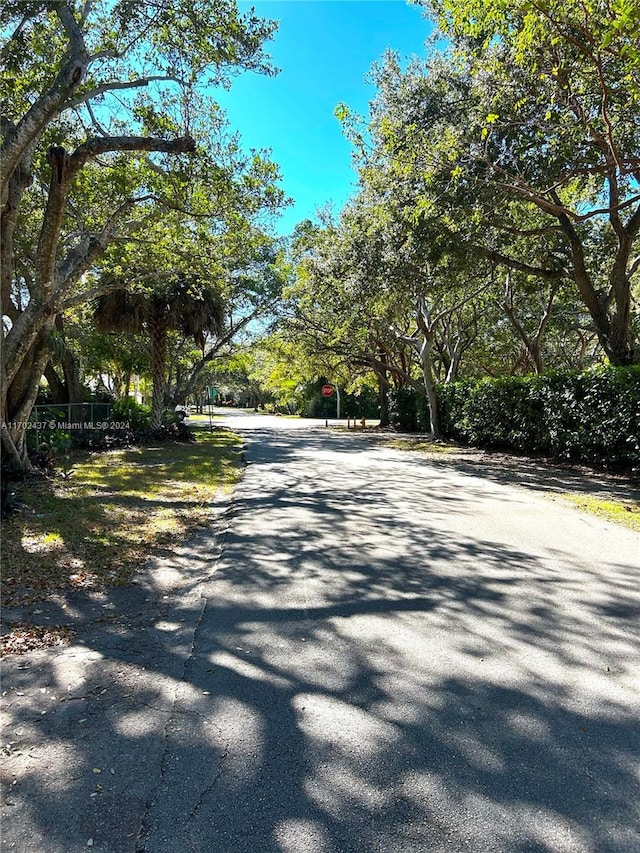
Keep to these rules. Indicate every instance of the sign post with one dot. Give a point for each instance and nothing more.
(326, 391)
(211, 395)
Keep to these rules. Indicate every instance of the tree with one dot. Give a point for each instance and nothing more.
(334, 308)
(96, 101)
(179, 303)
(252, 282)
(64, 382)
(526, 136)
(109, 365)
(378, 288)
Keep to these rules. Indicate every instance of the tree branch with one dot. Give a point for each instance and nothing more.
(71, 28)
(102, 145)
(115, 86)
(80, 258)
(29, 128)
(539, 272)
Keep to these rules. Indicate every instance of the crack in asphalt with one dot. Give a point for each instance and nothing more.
(223, 523)
(173, 714)
(223, 526)
(209, 788)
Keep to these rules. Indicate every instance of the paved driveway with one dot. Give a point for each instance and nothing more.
(381, 654)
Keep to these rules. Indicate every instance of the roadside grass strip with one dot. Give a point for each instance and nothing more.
(93, 528)
(626, 512)
(422, 445)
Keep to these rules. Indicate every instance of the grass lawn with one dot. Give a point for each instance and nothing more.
(94, 527)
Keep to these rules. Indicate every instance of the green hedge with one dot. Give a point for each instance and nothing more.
(409, 411)
(591, 417)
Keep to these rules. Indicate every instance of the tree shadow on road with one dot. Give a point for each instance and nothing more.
(362, 678)
(536, 473)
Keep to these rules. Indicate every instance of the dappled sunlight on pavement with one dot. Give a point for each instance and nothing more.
(383, 655)
(430, 657)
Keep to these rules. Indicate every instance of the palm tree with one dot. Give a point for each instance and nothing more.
(184, 303)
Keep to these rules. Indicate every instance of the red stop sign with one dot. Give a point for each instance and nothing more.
(327, 390)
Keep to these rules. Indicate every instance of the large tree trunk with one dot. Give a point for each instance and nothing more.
(426, 362)
(624, 350)
(159, 335)
(69, 389)
(611, 313)
(56, 385)
(75, 389)
(424, 349)
(383, 393)
(19, 399)
(430, 388)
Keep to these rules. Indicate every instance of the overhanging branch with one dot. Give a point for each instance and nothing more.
(504, 260)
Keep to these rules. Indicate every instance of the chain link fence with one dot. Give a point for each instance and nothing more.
(59, 423)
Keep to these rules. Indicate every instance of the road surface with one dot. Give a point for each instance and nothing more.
(383, 654)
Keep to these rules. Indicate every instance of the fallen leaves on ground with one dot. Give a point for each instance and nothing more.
(23, 637)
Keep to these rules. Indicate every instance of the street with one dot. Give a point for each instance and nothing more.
(378, 653)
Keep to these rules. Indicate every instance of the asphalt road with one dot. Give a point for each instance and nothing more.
(378, 654)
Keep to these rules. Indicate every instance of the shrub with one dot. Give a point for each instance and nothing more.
(135, 414)
(403, 409)
(591, 417)
(452, 398)
(409, 410)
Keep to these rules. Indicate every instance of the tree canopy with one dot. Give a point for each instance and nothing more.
(108, 123)
(495, 226)
(494, 229)
(524, 139)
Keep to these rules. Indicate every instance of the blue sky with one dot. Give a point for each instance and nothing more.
(324, 49)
